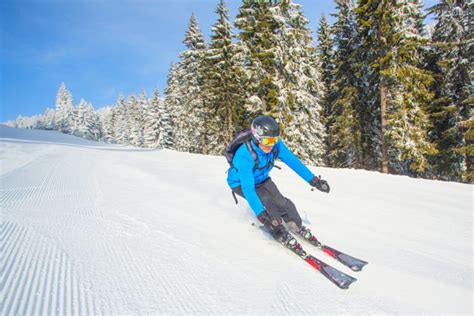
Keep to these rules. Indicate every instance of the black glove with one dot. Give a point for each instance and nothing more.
(319, 184)
(275, 225)
(268, 221)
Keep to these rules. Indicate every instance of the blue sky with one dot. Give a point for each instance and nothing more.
(99, 48)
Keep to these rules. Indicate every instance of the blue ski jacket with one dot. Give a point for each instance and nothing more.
(242, 172)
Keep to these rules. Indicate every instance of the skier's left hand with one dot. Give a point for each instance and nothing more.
(321, 185)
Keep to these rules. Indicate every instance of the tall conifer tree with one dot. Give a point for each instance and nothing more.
(109, 119)
(407, 119)
(223, 84)
(135, 117)
(191, 125)
(152, 121)
(121, 124)
(48, 119)
(81, 118)
(64, 114)
(299, 84)
(326, 52)
(368, 85)
(343, 121)
(258, 40)
(451, 60)
(92, 127)
(389, 33)
(173, 102)
(165, 139)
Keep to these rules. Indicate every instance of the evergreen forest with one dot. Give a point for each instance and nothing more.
(378, 89)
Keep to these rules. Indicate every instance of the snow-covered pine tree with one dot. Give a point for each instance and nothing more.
(298, 81)
(390, 42)
(75, 113)
(191, 127)
(19, 122)
(224, 97)
(92, 126)
(22, 122)
(407, 119)
(325, 49)
(153, 121)
(342, 116)
(258, 41)
(48, 119)
(135, 117)
(64, 114)
(165, 138)
(80, 123)
(121, 126)
(107, 118)
(368, 85)
(37, 121)
(451, 60)
(173, 101)
(29, 122)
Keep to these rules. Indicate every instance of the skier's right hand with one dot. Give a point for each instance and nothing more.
(274, 225)
(268, 221)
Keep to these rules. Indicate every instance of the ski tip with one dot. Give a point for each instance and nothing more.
(357, 268)
(346, 285)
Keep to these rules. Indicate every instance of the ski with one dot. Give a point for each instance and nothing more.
(353, 263)
(339, 278)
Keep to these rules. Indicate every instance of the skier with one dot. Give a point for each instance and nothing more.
(249, 178)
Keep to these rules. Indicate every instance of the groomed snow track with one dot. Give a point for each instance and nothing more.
(95, 229)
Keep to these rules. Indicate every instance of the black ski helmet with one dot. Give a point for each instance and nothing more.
(264, 126)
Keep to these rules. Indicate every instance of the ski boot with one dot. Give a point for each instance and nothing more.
(291, 243)
(306, 234)
(295, 246)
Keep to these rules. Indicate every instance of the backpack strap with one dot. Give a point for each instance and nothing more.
(275, 156)
(235, 198)
(254, 155)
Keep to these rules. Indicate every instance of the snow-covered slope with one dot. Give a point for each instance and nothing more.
(88, 228)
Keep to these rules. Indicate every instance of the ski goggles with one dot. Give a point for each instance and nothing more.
(268, 141)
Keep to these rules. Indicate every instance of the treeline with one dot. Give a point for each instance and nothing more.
(400, 95)
(138, 120)
(380, 90)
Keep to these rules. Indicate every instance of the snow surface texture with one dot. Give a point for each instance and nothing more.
(89, 228)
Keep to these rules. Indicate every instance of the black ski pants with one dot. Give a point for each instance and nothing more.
(275, 203)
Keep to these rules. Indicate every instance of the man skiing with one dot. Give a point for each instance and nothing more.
(249, 178)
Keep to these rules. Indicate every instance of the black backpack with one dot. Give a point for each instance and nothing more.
(244, 137)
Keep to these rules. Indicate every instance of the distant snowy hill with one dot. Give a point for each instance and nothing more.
(90, 228)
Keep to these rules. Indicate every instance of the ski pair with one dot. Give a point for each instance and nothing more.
(339, 278)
